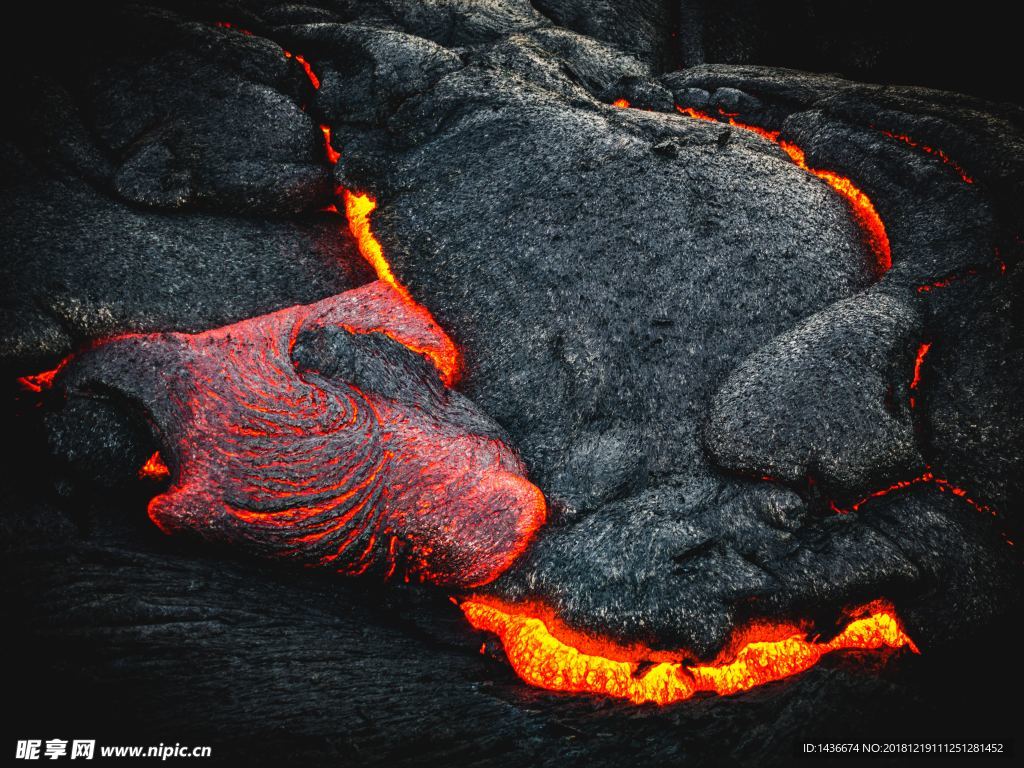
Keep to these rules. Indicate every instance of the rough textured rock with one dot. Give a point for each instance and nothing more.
(654, 310)
(639, 27)
(791, 410)
(84, 266)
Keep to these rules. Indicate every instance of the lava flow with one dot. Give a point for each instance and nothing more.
(545, 654)
(340, 468)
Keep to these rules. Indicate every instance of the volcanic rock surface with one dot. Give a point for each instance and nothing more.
(735, 410)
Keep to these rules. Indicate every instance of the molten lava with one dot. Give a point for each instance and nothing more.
(545, 654)
(313, 79)
(358, 208)
(695, 114)
(37, 382)
(323, 468)
(333, 156)
(229, 25)
(154, 469)
(297, 464)
(928, 476)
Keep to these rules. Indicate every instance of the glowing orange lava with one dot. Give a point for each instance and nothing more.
(932, 151)
(154, 469)
(695, 114)
(544, 654)
(915, 382)
(863, 208)
(333, 156)
(358, 209)
(621, 104)
(313, 79)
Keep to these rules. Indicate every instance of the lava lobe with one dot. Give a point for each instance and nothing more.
(323, 434)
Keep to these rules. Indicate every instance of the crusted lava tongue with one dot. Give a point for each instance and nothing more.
(322, 433)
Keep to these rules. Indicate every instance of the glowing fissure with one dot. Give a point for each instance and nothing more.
(935, 152)
(37, 382)
(333, 156)
(358, 208)
(545, 654)
(915, 382)
(310, 74)
(864, 210)
(997, 265)
(928, 476)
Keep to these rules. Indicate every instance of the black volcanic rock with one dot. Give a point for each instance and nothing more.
(826, 400)
(85, 266)
(148, 190)
(639, 27)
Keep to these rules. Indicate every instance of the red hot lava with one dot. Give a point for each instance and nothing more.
(154, 469)
(291, 463)
(547, 654)
(932, 151)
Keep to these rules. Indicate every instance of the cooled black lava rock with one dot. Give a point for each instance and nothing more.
(827, 400)
(119, 175)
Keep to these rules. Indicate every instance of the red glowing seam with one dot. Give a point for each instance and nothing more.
(547, 654)
(358, 209)
(931, 151)
(943, 282)
(154, 469)
(37, 382)
(313, 79)
(863, 209)
(235, 27)
(928, 476)
(954, 277)
(392, 562)
(332, 155)
(915, 382)
(695, 114)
